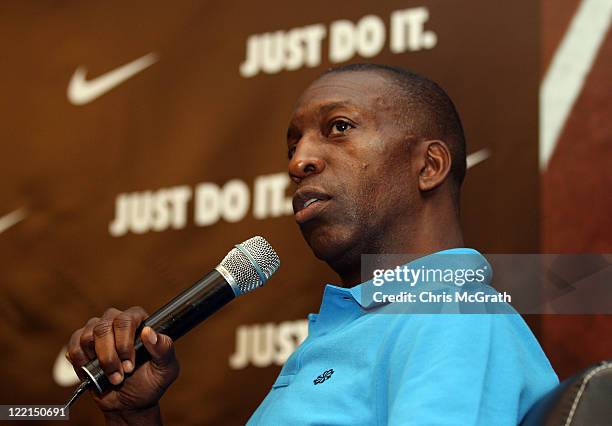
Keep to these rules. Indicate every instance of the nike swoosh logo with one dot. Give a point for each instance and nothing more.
(477, 157)
(63, 373)
(12, 219)
(82, 91)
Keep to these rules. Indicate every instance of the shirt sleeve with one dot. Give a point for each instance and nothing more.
(465, 370)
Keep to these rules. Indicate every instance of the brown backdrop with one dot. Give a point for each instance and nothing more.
(191, 121)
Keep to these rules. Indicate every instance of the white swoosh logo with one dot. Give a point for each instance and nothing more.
(63, 373)
(82, 91)
(568, 71)
(12, 219)
(477, 157)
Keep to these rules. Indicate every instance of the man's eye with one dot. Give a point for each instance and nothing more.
(340, 126)
(290, 152)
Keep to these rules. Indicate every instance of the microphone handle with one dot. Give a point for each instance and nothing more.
(174, 319)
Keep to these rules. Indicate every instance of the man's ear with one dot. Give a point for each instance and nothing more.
(435, 161)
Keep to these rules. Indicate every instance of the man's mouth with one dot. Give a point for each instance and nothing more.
(308, 203)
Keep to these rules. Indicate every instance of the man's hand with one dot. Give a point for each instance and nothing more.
(111, 339)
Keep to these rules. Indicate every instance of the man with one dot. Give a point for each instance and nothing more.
(377, 154)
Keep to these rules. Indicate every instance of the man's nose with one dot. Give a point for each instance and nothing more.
(306, 161)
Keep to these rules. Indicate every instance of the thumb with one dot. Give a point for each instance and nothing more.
(160, 347)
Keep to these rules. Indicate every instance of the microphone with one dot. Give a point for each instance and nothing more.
(245, 268)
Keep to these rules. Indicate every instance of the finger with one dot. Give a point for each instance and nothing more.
(86, 340)
(104, 342)
(161, 349)
(124, 328)
(75, 353)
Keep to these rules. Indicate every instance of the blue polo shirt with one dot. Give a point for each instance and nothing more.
(361, 365)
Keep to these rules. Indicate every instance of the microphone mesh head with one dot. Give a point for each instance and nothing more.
(251, 264)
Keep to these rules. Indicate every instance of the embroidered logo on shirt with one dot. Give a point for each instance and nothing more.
(321, 378)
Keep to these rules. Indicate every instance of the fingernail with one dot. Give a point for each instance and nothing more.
(127, 366)
(116, 378)
(152, 337)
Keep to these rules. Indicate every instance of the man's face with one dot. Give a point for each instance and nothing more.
(349, 156)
